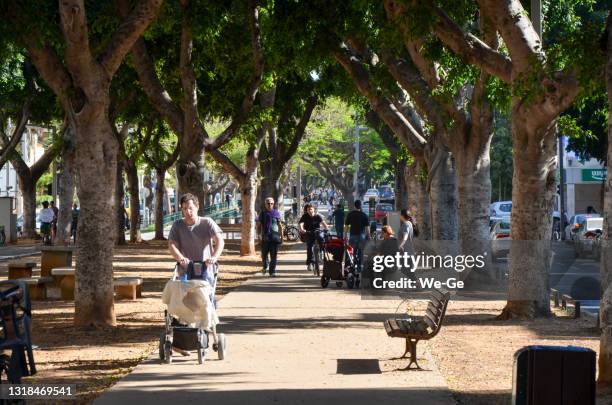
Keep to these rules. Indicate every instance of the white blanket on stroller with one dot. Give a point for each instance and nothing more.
(190, 302)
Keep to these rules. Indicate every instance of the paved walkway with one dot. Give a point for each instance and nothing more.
(290, 341)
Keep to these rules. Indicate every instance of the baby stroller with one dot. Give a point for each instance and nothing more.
(200, 282)
(338, 262)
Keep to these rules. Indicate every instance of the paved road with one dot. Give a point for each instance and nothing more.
(290, 341)
(578, 278)
(15, 251)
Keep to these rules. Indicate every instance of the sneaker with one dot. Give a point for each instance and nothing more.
(310, 266)
(272, 274)
(264, 271)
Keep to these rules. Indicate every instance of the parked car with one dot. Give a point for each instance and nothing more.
(500, 238)
(586, 235)
(382, 210)
(500, 209)
(372, 192)
(386, 194)
(575, 223)
(503, 209)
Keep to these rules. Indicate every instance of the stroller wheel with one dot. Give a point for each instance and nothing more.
(222, 348)
(168, 352)
(338, 284)
(162, 341)
(324, 281)
(201, 354)
(350, 281)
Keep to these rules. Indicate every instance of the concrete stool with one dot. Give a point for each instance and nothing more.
(65, 278)
(128, 287)
(36, 287)
(20, 270)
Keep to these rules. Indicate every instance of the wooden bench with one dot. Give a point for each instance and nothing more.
(128, 287)
(20, 270)
(65, 279)
(418, 328)
(37, 287)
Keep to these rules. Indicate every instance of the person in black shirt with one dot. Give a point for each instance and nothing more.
(308, 223)
(357, 222)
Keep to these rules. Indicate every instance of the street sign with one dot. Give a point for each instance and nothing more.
(593, 175)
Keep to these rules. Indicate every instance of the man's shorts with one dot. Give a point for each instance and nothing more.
(45, 227)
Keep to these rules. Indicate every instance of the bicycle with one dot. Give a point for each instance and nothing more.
(45, 230)
(291, 232)
(318, 250)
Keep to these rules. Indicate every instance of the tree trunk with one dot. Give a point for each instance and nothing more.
(473, 196)
(132, 178)
(28, 191)
(533, 190)
(605, 312)
(159, 204)
(443, 203)
(400, 187)
(190, 174)
(247, 193)
(270, 185)
(418, 199)
(66, 195)
(119, 205)
(96, 159)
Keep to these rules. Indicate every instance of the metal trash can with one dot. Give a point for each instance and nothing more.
(553, 375)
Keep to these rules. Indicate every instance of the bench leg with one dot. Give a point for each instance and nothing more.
(412, 344)
(403, 356)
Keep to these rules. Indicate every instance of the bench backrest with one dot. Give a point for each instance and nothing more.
(436, 309)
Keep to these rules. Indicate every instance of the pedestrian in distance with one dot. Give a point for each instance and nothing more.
(338, 216)
(75, 221)
(357, 231)
(54, 222)
(46, 216)
(406, 231)
(270, 229)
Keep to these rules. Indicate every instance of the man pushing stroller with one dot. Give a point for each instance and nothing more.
(195, 239)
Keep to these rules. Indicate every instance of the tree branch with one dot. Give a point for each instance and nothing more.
(249, 98)
(466, 45)
(10, 145)
(230, 167)
(159, 97)
(407, 134)
(300, 129)
(188, 78)
(128, 32)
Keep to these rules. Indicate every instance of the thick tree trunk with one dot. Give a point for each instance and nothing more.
(66, 195)
(605, 312)
(132, 178)
(533, 190)
(270, 185)
(159, 204)
(28, 191)
(442, 197)
(418, 199)
(248, 190)
(96, 159)
(473, 196)
(190, 173)
(119, 206)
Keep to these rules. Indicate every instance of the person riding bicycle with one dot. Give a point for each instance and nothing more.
(357, 230)
(309, 223)
(46, 216)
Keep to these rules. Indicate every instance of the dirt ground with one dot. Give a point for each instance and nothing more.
(94, 360)
(475, 352)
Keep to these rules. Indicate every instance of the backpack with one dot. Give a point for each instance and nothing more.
(415, 227)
